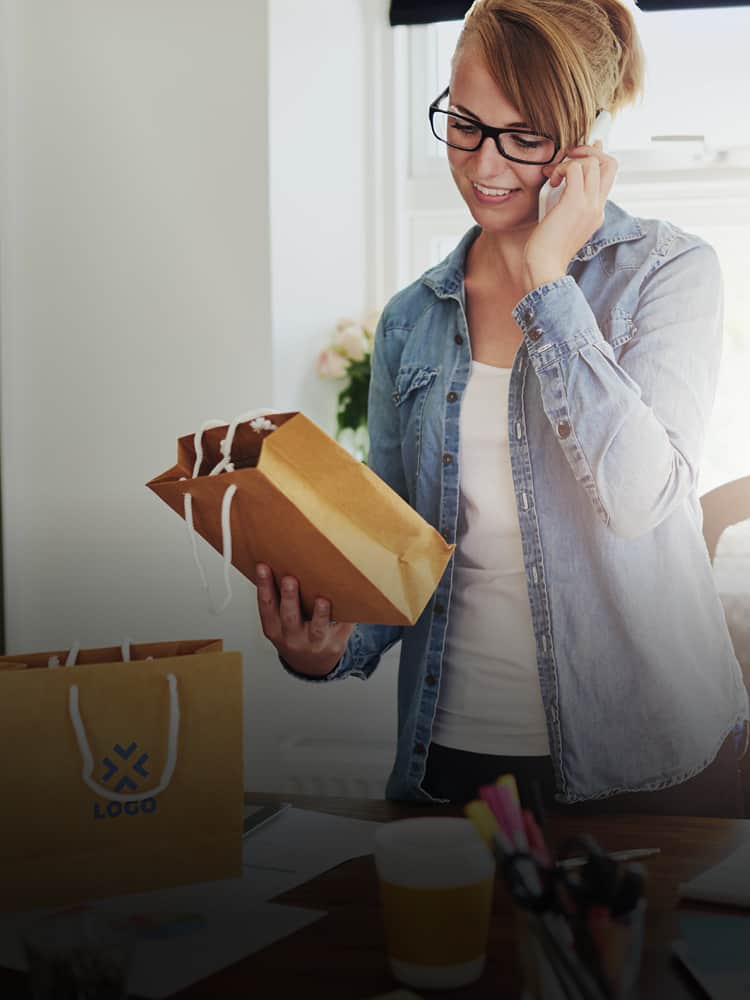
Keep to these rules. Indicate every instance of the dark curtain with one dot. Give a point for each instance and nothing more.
(685, 4)
(426, 11)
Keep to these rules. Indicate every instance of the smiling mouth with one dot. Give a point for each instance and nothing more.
(493, 192)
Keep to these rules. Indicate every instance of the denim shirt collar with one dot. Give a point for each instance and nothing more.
(446, 278)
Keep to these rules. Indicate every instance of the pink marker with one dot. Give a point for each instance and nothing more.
(489, 794)
(512, 810)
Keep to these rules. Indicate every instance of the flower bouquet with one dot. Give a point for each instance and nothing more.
(348, 357)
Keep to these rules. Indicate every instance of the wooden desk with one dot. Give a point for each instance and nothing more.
(342, 956)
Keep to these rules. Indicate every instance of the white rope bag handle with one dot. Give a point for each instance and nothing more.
(225, 465)
(72, 657)
(83, 743)
(88, 760)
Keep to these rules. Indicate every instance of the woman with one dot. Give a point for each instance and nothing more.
(541, 398)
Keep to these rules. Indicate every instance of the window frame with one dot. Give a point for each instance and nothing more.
(715, 191)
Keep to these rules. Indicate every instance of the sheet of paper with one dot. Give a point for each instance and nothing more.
(727, 882)
(163, 967)
(193, 931)
(299, 845)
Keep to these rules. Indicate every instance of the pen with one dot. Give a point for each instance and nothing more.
(537, 845)
(631, 855)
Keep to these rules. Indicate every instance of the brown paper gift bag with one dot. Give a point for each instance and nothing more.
(119, 777)
(294, 498)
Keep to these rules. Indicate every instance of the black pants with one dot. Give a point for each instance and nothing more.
(716, 791)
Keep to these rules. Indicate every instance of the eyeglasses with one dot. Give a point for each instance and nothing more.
(462, 132)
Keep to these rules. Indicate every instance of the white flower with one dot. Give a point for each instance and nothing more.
(371, 321)
(351, 341)
(331, 364)
(262, 424)
(356, 442)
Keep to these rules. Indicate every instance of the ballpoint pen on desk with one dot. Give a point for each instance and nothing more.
(630, 855)
(538, 815)
(586, 925)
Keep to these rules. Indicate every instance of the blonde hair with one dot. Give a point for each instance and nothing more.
(559, 61)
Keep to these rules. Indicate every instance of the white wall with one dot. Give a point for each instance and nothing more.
(317, 182)
(320, 183)
(161, 264)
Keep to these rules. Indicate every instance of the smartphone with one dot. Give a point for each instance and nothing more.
(549, 196)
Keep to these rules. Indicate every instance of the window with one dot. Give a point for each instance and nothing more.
(698, 143)
(685, 158)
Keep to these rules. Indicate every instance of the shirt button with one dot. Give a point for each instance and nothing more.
(420, 748)
(459, 339)
(447, 459)
(563, 429)
(529, 317)
(535, 333)
(430, 680)
(452, 397)
(396, 397)
(446, 535)
(439, 608)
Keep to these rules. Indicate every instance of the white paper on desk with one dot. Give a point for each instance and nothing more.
(162, 968)
(301, 844)
(233, 926)
(727, 882)
(237, 920)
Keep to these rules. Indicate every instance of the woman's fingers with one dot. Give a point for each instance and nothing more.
(268, 603)
(279, 614)
(320, 624)
(607, 165)
(608, 170)
(283, 622)
(289, 609)
(323, 631)
(574, 167)
(591, 178)
(586, 181)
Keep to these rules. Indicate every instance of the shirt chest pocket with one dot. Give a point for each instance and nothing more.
(410, 396)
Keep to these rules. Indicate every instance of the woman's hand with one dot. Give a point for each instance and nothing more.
(312, 647)
(589, 175)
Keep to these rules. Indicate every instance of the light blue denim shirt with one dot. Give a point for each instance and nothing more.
(610, 394)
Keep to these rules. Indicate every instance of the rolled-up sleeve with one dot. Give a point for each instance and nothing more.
(632, 428)
(366, 645)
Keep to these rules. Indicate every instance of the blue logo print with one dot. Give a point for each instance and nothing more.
(138, 767)
(126, 769)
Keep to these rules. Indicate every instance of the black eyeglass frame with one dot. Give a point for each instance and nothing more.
(488, 131)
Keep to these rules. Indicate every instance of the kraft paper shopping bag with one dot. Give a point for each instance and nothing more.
(283, 492)
(119, 776)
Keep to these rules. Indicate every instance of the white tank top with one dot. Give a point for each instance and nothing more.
(490, 700)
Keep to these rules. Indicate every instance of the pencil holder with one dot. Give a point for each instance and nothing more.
(556, 967)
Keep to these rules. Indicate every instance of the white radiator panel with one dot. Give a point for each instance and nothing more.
(329, 767)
